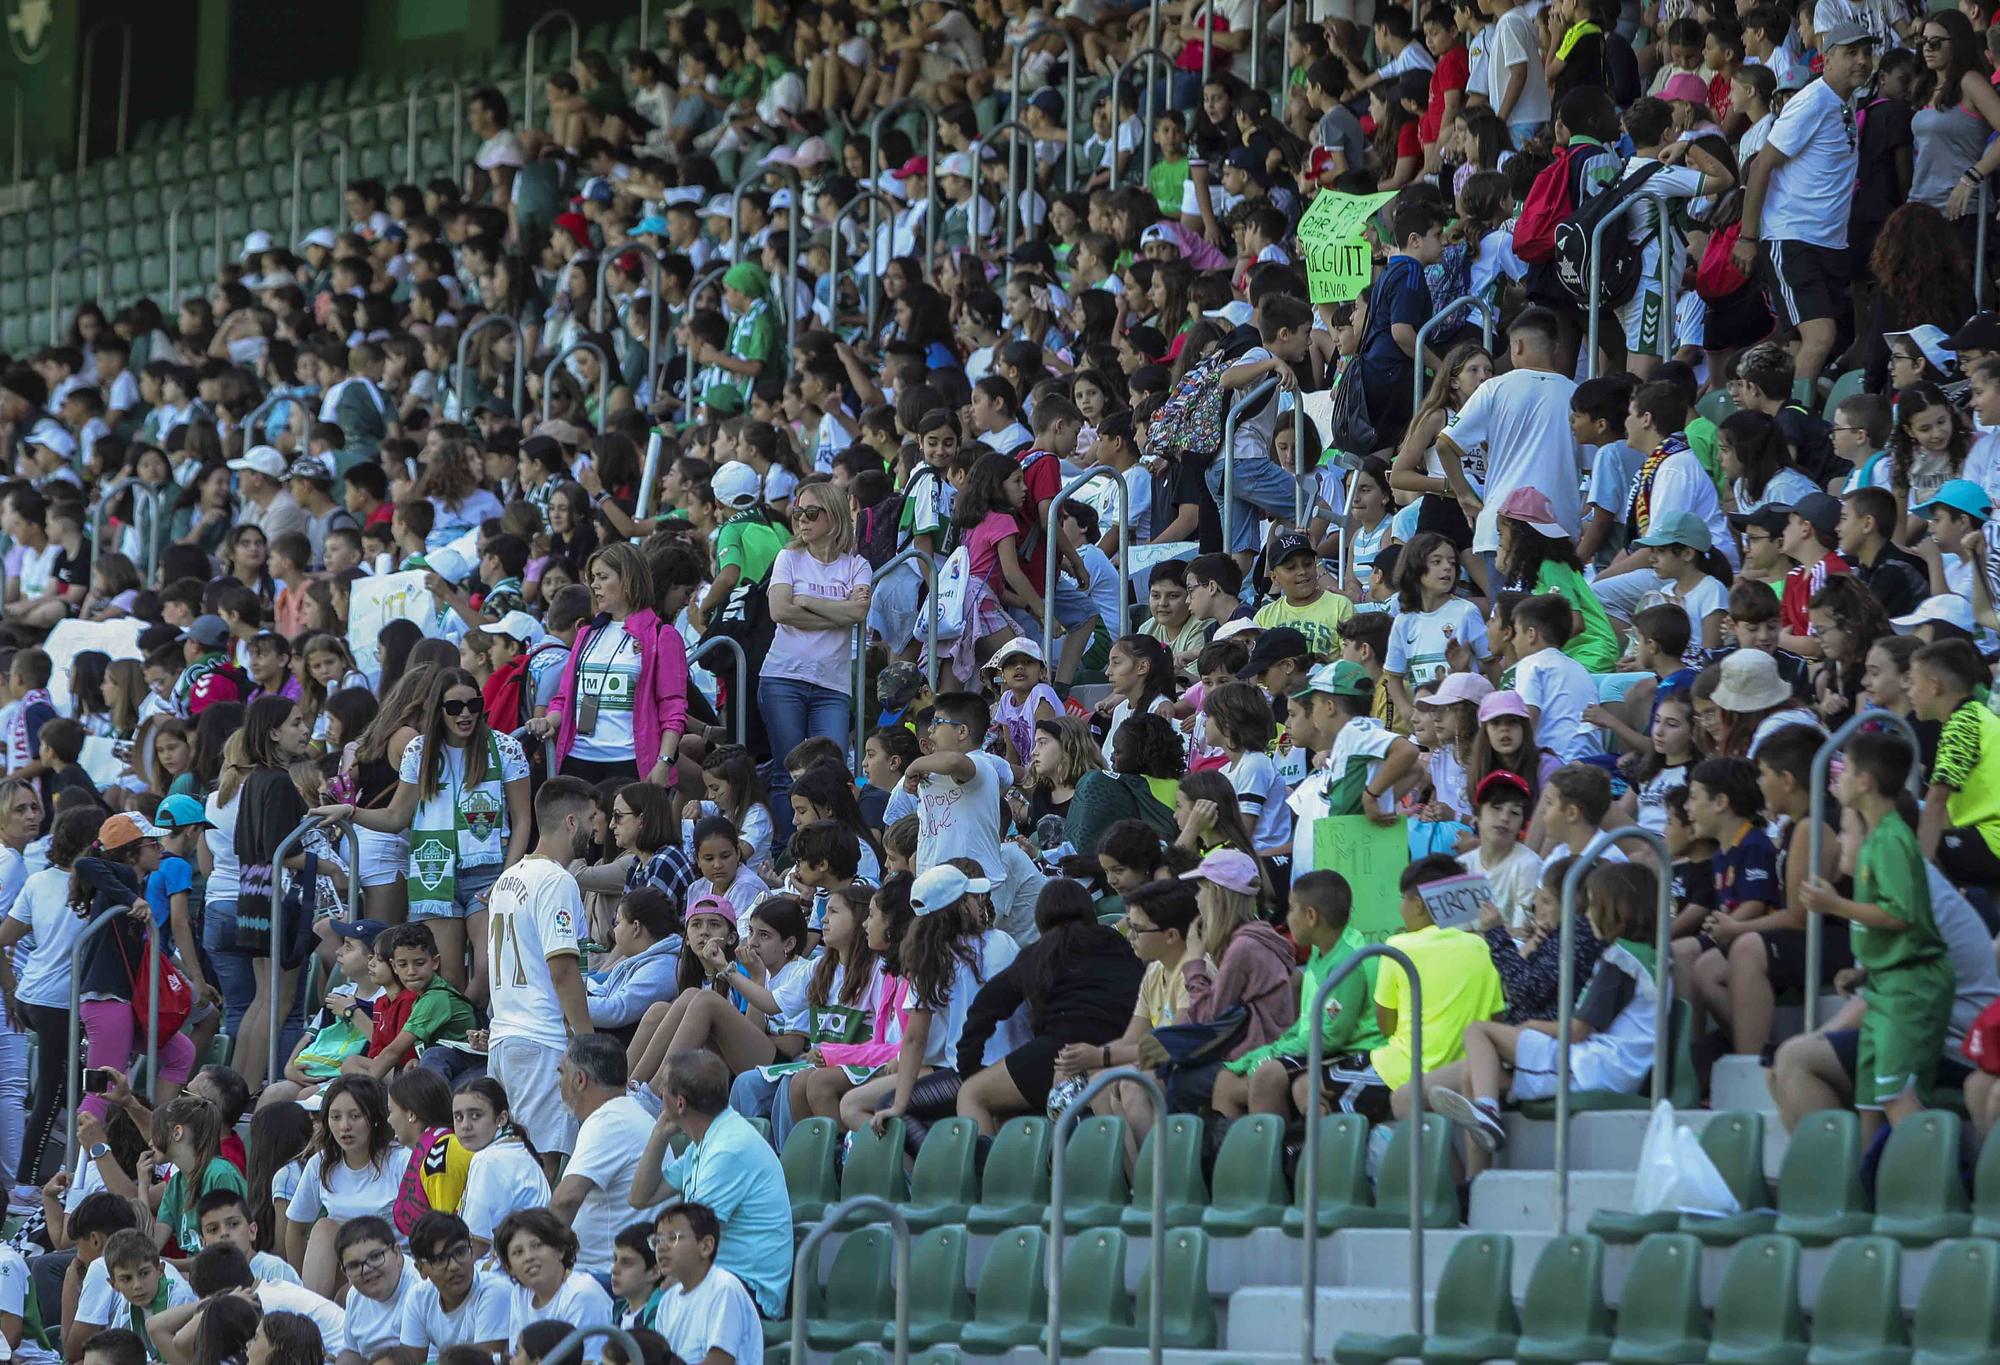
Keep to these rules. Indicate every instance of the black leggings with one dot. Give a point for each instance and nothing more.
(51, 1029)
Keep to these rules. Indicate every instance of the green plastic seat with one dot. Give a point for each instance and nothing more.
(1820, 1198)
(808, 1164)
(1859, 1317)
(1919, 1198)
(1843, 389)
(940, 1305)
(943, 1185)
(855, 1355)
(1757, 1315)
(1475, 1318)
(1735, 1143)
(874, 1166)
(1344, 1197)
(1095, 1190)
(1187, 1192)
(859, 1295)
(1563, 1317)
(1015, 1186)
(1392, 1179)
(1011, 1304)
(1097, 1312)
(1664, 1325)
(1958, 1310)
(1986, 1192)
(1248, 1191)
(1188, 1322)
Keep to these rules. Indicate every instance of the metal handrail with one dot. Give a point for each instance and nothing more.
(875, 126)
(927, 570)
(313, 138)
(82, 251)
(798, 189)
(1207, 40)
(1052, 546)
(1816, 830)
(1146, 56)
(75, 1076)
(1663, 994)
(1237, 406)
(186, 199)
(1309, 1158)
(1659, 203)
(870, 197)
(741, 696)
(803, 1268)
(1156, 1264)
(271, 400)
(1488, 315)
(649, 477)
(83, 89)
(1075, 59)
(101, 510)
(1984, 209)
(1019, 142)
(416, 91)
(603, 374)
(277, 982)
(13, 88)
(528, 57)
(574, 1342)
(520, 395)
(652, 272)
(1284, 63)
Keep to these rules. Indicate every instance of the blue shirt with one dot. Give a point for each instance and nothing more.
(736, 1173)
(1747, 871)
(173, 876)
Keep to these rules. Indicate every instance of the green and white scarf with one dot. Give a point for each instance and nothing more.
(454, 829)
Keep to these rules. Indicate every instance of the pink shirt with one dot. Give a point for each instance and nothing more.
(824, 658)
(982, 544)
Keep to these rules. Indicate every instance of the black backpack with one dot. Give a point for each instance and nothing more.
(1624, 253)
(879, 538)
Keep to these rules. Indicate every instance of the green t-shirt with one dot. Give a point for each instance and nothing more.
(1596, 645)
(1350, 1024)
(755, 334)
(441, 1015)
(751, 544)
(1165, 181)
(1890, 873)
(177, 1205)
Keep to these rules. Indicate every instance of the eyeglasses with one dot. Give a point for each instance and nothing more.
(451, 1255)
(459, 708)
(1931, 42)
(374, 1260)
(1853, 429)
(671, 1239)
(807, 512)
(617, 814)
(1137, 929)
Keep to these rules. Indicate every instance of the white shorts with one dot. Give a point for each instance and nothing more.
(1534, 1067)
(528, 1072)
(1640, 318)
(385, 858)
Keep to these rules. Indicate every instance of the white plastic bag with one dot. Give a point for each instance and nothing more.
(1676, 1174)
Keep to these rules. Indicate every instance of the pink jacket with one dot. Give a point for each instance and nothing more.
(878, 1051)
(1256, 972)
(661, 704)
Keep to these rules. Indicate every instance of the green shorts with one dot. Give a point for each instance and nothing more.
(1902, 1038)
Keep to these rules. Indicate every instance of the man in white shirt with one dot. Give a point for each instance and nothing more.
(1522, 418)
(1517, 85)
(538, 1002)
(706, 1314)
(612, 1129)
(499, 157)
(260, 478)
(1797, 193)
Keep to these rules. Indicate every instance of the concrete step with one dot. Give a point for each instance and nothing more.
(1611, 1141)
(1740, 1082)
(1525, 1201)
(1268, 1319)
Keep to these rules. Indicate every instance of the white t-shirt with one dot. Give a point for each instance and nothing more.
(608, 1146)
(99, 1305)
(788, 986)
(1103, 499)
(503, 1177)
(1560, 688)
(579, 1301)
(1681, 484)
(1706, 597)
(1810, 194)
(14, 1291)
(1417, 639)
(481, 1317)
(1522, 418)
(451, 778)
(609, 672)
(41, 959)
(1669, 182)
(1653, 796)
(717, 1314)
(996, 953)
(268, 1267)
(277, 1296)
(1260, 792)
(37, 569)
(962, 819)
(351, 1193)
(1514, 880)
(534, 914)
(224, 871)
(1516, 42)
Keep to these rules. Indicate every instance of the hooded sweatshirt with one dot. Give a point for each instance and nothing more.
(116, 953)
(1256, 972)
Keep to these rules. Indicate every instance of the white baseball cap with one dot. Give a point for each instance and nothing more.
(943, 887)
(322, 237)
(49, 432)
(1021, 647)
(736, 485)
(515, 625)
(256, 243)
(1947, 607)
(265, 460)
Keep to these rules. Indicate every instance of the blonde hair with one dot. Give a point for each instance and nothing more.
(1223, 912)
(828, 499)
(236, 766)
(1079, 751)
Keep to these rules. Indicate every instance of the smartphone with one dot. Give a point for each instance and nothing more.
(96, 1080)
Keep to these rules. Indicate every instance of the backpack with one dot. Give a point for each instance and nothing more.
(1717, 277)
(1624, 253)
(1190, 421)
(879, 537)
(1551, 199)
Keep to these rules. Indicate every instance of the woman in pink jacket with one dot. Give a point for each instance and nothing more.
(623, 694)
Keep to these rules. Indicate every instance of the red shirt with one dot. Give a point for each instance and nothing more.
(1719, 100)
(1800, 586)
(387, 1015)
(1042, 471)
(233, 1153)
(1454, 69)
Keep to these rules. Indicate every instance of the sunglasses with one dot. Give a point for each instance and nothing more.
(807, 512)
(1933, 41)
(455, 709)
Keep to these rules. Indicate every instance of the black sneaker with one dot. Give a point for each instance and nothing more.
(1475, 1118)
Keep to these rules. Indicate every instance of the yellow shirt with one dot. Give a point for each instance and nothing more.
(1318, 620)
(1460, 987)
(1163, 996)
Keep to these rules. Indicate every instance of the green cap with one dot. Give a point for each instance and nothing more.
(746, 277)
(1678, 528)
(1339, 679)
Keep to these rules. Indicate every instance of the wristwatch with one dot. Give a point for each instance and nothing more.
(99, 1151)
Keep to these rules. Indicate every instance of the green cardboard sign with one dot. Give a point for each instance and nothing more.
(1333, 216)
(1371, 857)
(1338, 271)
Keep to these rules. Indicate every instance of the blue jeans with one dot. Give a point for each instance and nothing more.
(794, 712)
(231, 964)
(1259, 488)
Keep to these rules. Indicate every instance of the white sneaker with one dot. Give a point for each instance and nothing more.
(1482, 1123)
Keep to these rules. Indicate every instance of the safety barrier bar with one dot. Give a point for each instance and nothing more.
(1074, 59)
(1052, 546)
(20, 129)
(186, 200)
(1472, 303)
(574, 1342)
(91, 931)
(518, 399)
(313, 138)
(740, 698)
(1309, 1158)
(1279, 93)
(1663, 993)
(1156, 1263)
(279, 1005)
(1207, 44)
(272, 400)
(1301, 494)
(83, 91)
(1816, 830)
(654, 306)
(1596, 311)
(553, 16)
(797, 186)
(417, 89)
(870, 198)
(82, 251)
(603, 375)
(1984, 209)
(1145, 56)
(804, 1268)
(1020, 142)
(927, 570)
(649, 477)
(875, 126)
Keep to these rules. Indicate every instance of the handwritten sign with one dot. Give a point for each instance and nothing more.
(377, 601)
(1332, 216)
(117, 638)
(1338, 271)
(1457, 902)
(1371, 857)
